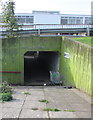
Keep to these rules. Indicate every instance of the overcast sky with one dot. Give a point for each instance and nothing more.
(64, 6)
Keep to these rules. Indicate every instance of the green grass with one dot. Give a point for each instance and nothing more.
(51, 109)
(43, 100)
(86, 40)
(69, 110)
(26, 93)
(34, 108)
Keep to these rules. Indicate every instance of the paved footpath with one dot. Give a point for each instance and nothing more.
(75, 103)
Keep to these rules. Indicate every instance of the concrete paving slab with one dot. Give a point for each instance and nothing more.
(13, 104)
(61, 106)
(51, 94)
(50, 88)
(0, 110)
(83, 114)
(28, 113)
(64, 94)
(54, 98)
(62, 115)
(19, 97)
(68, 94)
(34, 98)
(34, 104)
(10, 112)
(35, 88)
(74, 100)
(57, 96)
(0, 113)
(36, 93)
(81, 107)
(20, 89)
(86, 97)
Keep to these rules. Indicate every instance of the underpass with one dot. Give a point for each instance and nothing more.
(37, 66)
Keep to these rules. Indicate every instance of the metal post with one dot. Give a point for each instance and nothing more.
(39, 31)
(88, 31)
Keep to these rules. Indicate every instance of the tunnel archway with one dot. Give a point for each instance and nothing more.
(37, 65)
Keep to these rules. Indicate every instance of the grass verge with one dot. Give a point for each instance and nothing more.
(86, 40)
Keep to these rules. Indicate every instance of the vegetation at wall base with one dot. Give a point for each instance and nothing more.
(5, 92)
(4, 87)
(6, 96)
(86, 40)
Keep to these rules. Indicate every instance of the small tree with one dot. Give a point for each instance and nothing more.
(8, 17)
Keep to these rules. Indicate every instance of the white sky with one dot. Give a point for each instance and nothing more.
(64, 6)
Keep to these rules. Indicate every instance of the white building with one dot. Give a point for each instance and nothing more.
(51, 17)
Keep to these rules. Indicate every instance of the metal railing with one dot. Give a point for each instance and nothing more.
(48, 26)
(54, 26)
(58, 29)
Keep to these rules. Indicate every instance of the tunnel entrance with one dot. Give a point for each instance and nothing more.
(37, 65)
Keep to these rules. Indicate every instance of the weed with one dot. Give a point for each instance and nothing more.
(34, 108)
(5, 92)
(43, 100)
(27, 93)
(6, 96)
(4, 87)
(51, 109)
(69, 110)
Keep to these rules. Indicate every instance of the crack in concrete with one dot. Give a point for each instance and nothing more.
(22, 107)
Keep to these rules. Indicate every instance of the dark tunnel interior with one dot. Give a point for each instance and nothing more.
(37, 65)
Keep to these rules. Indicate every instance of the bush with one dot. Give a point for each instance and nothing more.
(6, 96)
(4, 87)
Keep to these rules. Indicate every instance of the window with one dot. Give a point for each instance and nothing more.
(92, 20)
(88, 20)
(25, 19)
(29, 19)
(64, 20)
(79, 20)
(21, 20)
(71, 20)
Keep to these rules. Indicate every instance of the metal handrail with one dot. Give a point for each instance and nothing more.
(47, 26)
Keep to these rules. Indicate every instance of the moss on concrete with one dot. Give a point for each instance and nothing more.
(76, 70)
(13, 51)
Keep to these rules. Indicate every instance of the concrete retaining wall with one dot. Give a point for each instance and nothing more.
(76, 70)
(13, 51)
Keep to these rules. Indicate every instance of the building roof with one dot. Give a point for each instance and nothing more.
(45, 12)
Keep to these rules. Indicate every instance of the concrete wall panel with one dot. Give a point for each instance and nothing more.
(76, 70)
